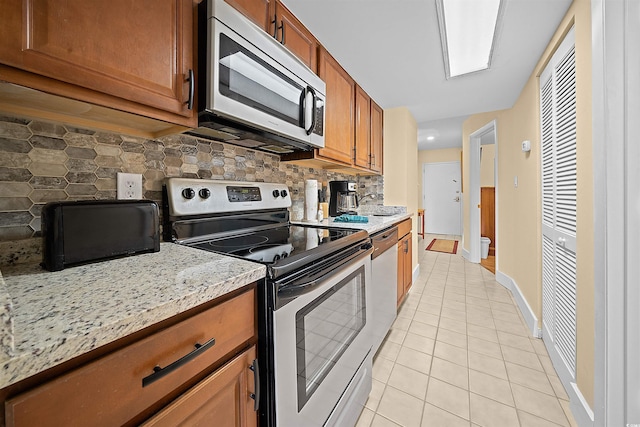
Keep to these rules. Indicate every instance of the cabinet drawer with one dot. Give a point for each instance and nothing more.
(223, 399)
(404, 228)
(109, 391)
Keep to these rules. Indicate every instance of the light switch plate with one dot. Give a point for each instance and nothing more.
(129, 186)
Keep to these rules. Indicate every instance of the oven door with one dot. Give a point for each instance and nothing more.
(246, 83)
(322, 345)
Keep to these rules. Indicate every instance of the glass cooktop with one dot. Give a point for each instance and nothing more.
(275, 245)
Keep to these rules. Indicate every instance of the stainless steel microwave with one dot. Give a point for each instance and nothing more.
(257, 94)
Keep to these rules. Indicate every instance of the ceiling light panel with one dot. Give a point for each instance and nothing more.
(467, 31)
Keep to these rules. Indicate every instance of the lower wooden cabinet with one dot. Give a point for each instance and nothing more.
(223, 399)
(177, 367)
(405, 273)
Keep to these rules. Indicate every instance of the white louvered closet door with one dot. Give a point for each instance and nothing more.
(559, 201)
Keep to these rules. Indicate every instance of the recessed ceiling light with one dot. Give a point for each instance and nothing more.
(467, 33)
(431, 138)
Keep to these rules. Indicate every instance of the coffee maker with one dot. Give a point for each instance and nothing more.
(344, 199)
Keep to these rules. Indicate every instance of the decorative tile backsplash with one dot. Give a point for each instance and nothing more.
(42, 162)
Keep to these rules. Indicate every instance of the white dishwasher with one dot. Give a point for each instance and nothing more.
(384, 277)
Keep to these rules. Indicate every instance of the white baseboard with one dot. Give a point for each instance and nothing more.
(465, 254)
(529, 316)
(580, 409)
(416, 273)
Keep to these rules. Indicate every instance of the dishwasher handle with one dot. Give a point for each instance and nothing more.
(383, 241)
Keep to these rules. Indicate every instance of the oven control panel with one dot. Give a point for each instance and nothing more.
(187, 196)
(243, 194)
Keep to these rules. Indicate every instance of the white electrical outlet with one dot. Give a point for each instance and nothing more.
(129, 186)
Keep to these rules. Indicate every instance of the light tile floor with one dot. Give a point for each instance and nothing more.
(459, 354)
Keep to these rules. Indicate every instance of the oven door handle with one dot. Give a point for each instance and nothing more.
(301, 287)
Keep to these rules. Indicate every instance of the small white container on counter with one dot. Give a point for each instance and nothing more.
(311, 200)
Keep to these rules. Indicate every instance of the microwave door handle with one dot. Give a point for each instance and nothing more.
(313, 109)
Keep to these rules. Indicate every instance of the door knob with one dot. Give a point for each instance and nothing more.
(457, 199)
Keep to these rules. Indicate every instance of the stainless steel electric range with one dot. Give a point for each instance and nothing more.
(314, 308)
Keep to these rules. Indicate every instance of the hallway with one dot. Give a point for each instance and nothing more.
(459, 354)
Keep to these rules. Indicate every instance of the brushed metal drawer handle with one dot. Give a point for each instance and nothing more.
(255, 368)
(159, 372)
(192, 84)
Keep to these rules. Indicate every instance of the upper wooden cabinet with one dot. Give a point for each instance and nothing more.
(368, 137)
(363, 128)
(133, 56)
(339, 110)
(295, 36)
(376, 138)
(280, 23)
(259, 11)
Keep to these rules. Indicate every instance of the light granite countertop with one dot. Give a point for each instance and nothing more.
(51, 317)
(375, 224)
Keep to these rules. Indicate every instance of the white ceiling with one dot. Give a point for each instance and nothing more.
(392, 49)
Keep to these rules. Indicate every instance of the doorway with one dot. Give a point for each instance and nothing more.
(488, 201)
(486, 133)
(441, 198)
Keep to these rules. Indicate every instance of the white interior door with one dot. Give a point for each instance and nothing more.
(559, 208)
(442, 199)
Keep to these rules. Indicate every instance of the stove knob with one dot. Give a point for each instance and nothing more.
(283, 193)
(188, 193)
(276, 193)
(204, 193)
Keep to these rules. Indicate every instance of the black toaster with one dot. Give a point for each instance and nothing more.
(79, 232)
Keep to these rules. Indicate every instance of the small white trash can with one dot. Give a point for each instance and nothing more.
(484, 246)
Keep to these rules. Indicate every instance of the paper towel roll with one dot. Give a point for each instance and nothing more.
(311, 200)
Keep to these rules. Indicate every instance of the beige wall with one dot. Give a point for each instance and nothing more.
(435, 156)
(487, 167)
(401, 166)
(519, 228)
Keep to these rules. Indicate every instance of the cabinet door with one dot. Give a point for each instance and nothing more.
(259, 11)
(223, 399)
(408, 254)
(339, 111)
(295, 36)
(400, 283)
(362, 128)
(138, 51)
(405, 273)
(376, 138)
